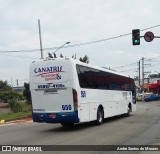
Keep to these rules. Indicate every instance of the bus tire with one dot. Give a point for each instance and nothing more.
(128, 111)
(100, 117)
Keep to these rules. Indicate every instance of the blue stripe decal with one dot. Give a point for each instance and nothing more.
(62, 117)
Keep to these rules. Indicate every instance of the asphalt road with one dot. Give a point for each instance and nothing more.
(141, 128)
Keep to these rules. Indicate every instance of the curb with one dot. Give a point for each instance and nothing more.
(2, 121)
(18, 120)
(21, 118)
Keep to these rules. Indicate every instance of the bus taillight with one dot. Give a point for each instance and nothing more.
(75, 99)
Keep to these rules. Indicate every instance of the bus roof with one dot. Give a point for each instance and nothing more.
(75, 61)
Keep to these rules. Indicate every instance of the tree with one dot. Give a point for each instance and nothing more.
(154, 75)
(74, 56)
(4, 86)
(85, 59)
(50, 55)
(136, 78)
(27, 92)
(54, 55)
(61, 56)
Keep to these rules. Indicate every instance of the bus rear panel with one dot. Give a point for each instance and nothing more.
(54, 99)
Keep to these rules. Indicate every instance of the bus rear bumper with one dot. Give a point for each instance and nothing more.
(67, 117)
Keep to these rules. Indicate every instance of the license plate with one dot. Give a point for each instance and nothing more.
(52, 115)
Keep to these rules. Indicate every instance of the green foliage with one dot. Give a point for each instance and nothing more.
(54, 55)
(50, 55)
(27, 92)
(13, 116)
(154, 75)
(85, 59)
(136, 78)
(4, 86)
(61, 56)
(25, 106)
(15, 106)
(18, 106)
(74, 56)
(5, 96)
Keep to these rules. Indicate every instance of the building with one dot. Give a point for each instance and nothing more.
(153, 86)
(150, 85)
(18, 89)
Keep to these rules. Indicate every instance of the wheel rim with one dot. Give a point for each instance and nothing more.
(129, 110)
(100, 116)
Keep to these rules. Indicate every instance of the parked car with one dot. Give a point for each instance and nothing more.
(151, 97)
(139, 97)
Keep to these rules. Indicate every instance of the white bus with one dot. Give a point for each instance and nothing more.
(68, 91)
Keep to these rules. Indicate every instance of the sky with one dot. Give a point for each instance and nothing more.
(78, 22)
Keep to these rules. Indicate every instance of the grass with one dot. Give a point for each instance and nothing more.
(25, 112)
(13, 116)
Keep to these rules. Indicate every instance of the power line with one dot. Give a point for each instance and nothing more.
(80, 44)
(146, 59)
(125, 65)
(150, 59)
(155, 65)
(17, 56)
(134, 69)
(19, 51)
(149, 27)
(107, 39)
(155, 61)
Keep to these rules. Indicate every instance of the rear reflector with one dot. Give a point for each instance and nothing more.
(75, 99)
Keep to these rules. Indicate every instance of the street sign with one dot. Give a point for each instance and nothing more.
(149, 36)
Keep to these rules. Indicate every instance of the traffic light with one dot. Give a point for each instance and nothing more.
(136, 37)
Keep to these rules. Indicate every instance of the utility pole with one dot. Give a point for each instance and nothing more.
(17, 82)
(139, 70)
(11, 84)
(143, 78)
(40, 39)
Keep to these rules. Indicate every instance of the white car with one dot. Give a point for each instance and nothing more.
(139, 97)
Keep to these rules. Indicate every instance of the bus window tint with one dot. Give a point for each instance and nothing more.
(97, 79)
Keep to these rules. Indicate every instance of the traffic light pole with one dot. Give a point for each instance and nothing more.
(139, 70)
(142, 78)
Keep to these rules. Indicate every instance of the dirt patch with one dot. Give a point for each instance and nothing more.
(4, 108)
